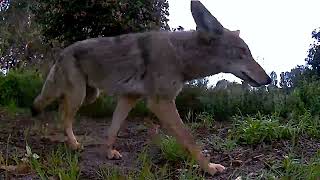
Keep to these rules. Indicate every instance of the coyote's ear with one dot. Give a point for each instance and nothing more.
(204, 19)
(236, 32)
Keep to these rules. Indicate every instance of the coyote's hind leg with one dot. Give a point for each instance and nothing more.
(124, 106)
(167, 113)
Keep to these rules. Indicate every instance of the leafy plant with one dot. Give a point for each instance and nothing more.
(253, 130)
(61, 164)
(171, 150)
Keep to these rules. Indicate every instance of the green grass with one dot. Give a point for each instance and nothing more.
(227, 144)
(147, 170)
(258, 129)
(294, 168)
(266, 128)
(190, 171)
(171, 150)
(199, 120)
(61, 163)
(110, 173)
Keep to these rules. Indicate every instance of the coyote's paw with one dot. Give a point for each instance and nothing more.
(113, 154)
(74, 145)
(214, 168)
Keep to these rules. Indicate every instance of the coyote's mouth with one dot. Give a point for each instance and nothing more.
(250, 80)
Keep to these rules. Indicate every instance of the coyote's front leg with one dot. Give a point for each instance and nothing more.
(124, 105)
(166, 111)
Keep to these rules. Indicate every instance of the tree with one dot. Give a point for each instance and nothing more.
(179, 28)
(201, 83)
(274, 78)
(4, 5)
(313, 58)
(67, 21)
(291, 79)
(17, 30)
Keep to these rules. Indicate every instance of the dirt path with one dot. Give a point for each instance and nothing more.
(44, 136)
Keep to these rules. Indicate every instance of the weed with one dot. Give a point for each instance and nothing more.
(218, 143)
(19, 88)
(110, 173)
(253, 130)
(190, 171)
(294, 168)
(172, 150)
(202, 119)
(60, 163)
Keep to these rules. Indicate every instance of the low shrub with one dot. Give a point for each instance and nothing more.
(257, 129)
(19, 88)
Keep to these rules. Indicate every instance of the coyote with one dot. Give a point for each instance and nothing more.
(152, 66)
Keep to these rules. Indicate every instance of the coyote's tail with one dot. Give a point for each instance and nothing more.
(51, 90)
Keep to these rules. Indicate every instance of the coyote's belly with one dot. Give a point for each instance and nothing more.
(132, 79)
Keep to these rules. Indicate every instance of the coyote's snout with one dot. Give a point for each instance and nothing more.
(152, 66)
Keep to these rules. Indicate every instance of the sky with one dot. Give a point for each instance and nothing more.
(278, 32)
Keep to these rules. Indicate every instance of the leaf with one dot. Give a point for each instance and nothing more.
(35, 156)
(28, 149)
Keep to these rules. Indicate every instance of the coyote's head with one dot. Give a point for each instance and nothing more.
(227, 47)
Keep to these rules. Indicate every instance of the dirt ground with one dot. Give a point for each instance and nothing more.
(45, 134)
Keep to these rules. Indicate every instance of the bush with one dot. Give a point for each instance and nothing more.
(253, 130)
(20, 88)
(222, 104)
(309, 95)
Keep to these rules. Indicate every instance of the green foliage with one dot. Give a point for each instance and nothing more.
(313, 58)
(79, 20)
(110, 173)
(17, 31)
(140, 110)
(222, 104)
(309, 94)
(222, 144)
(149, 171)
(189, 172)
(102, 107)
(105, 105)
(257, 129)
(19, 88)
(171, 150)
(253, 130)
(295, 168)
(61, 163)
(203, 119)
(308, 124)
(189, 100)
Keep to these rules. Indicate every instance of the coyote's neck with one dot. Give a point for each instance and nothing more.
(198, 59)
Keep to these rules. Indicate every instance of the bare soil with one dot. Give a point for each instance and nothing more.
(45, 133)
